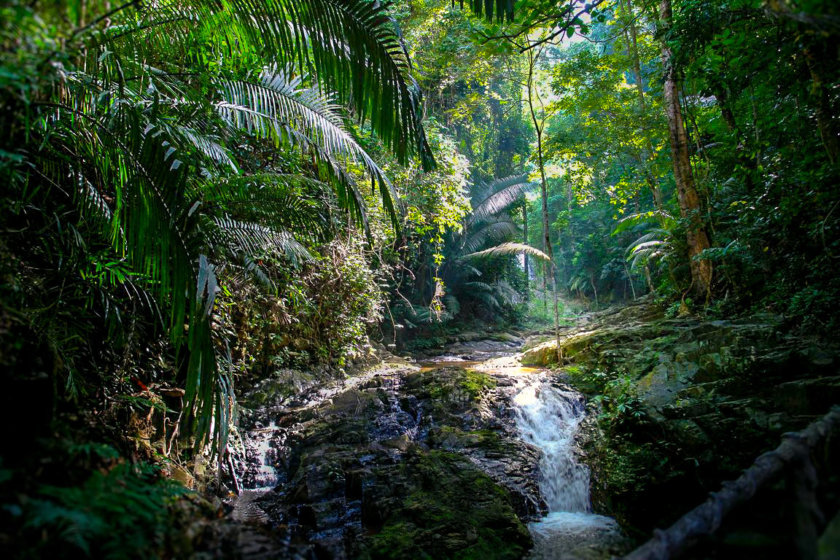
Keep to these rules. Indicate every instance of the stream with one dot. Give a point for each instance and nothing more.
(325, 466)
(548, 417)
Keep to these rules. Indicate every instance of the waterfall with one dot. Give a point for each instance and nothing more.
(261, 455)
(549, 418)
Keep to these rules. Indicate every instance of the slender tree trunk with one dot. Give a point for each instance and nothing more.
(539, 127)
(525, 241)
(630, 281)
(689, 200)
(648, 279)
(633, 53)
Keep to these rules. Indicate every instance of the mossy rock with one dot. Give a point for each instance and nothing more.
(453, 439)
(542, 355)
(450, 510)
(505, 337)
(661, 386)
(280, 386)
(449, 390)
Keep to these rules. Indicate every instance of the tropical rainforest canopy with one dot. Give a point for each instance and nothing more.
(196, 194)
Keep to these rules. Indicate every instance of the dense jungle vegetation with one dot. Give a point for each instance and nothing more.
(197, 193)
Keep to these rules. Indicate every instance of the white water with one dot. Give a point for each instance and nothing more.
(265, 478)
(549, 418)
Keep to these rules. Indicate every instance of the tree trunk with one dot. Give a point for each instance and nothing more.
(633, 53)
(538, 128)
(689, 200)
(630, 281)
(525, 241)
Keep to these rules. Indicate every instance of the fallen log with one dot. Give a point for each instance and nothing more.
(793, 454)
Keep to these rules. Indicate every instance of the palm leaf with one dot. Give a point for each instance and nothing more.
(259, 241)
(295, 203)
(498, 196)
(496, 232)
(278, 108)
(508, 249)
(664, 219)
(355, 51)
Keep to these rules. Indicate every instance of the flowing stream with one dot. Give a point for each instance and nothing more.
(549, 417)
(546, 416)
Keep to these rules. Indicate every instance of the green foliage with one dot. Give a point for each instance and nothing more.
(480, 264)
(137, 149)
(319, 314)
(120, 513)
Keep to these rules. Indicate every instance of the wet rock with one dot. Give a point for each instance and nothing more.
(446, 508)
(392, 462)
(687, 403)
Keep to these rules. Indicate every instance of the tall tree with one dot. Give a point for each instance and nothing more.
(689, 201)
(539, 128)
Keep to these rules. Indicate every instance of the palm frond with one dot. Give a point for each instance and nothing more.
(663, 219)
(508, 249)
(489, 300)
(355, 51)
(296, 203)
(206, 146)
(453, 306)
(497, 232)
(498, 196)
(651, 246)
(259, 241)
(279, 108)
(479, 286)
(506, 293)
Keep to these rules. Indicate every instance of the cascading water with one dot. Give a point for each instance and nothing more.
(261, 474)
(548, 418)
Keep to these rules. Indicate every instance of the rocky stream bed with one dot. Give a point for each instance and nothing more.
(464, 455)
(470, 454)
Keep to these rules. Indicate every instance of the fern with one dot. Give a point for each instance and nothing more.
(121, 513)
